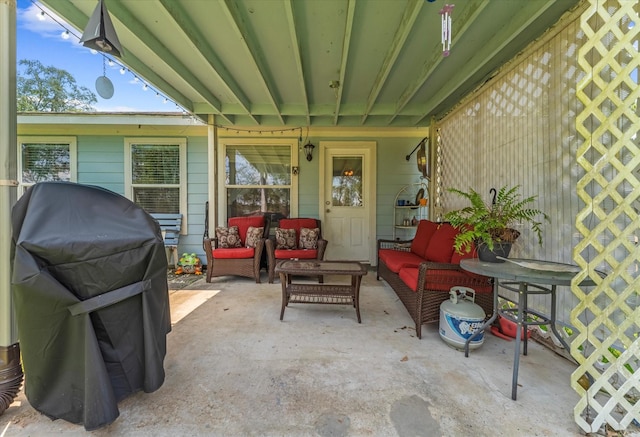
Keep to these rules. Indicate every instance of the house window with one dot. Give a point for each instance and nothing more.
(46, 159)
(155, 176)
(258, 180)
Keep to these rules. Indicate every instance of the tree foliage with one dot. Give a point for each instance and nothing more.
(43, 88)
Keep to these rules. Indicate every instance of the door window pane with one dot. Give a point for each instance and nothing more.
(347, 181)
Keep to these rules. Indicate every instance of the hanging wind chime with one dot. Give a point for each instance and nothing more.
(104, 87)
(445, 12)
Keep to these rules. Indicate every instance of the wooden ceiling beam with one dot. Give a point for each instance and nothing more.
(295, 44)
(482, 57)
(176, 12)
(348, 28)
(473, 10)
(246, 36)
(409, 17)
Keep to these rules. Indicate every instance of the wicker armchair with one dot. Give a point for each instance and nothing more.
(274, 254)
(239, 261)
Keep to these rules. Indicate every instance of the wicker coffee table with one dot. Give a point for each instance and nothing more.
(336, 294)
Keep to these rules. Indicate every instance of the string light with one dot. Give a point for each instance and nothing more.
(67, 33)
(123, 70)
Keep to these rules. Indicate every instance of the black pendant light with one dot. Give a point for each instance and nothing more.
(100, 34)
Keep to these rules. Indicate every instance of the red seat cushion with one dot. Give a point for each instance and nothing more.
(296, 253)
(234, 253)
(396, 259)
(440, 280)
(425, 231)
(440, 246)
(243, 224)
(297, 224)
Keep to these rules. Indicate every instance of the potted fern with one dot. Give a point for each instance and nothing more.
(490, 226)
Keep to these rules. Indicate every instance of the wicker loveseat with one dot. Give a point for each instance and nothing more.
(423, 270)
(275, 253)
(244, 260)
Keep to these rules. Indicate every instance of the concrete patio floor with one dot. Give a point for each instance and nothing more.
(234, 369)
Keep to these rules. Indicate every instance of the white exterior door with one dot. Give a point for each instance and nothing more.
(347, 199)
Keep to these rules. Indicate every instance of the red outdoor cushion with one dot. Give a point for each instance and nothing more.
(243, 224)
(234, 253)
(297, 224)
(296, 253)
(396, 259)
(440, 280)
(440, 246)
(425, 231)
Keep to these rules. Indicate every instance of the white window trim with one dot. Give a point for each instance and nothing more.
(222, 151)
(128, 185)
(73, 155)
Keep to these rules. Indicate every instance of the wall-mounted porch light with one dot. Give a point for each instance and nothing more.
(308, 150)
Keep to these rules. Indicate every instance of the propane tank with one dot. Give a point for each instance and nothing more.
(460, 318)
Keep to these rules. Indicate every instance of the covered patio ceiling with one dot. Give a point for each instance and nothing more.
(317, 62)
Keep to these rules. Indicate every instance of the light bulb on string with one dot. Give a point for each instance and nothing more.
(145, 87)
(65, 34)
(110, 62)
(41, 16)
(122, 70)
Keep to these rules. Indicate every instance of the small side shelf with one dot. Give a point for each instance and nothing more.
(407, 207)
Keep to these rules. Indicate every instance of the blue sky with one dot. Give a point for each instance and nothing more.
(41, 39)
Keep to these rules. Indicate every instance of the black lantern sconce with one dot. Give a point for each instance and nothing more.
(308, 150)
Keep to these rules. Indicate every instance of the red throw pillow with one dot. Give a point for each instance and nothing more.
(440, 246)
(425, 231)
(297, 224)
(243, 224)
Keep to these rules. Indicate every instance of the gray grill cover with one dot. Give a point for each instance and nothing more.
(91, 299)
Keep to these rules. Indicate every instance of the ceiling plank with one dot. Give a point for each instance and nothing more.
(409, 17)
(295, 44)
(244, 34)
(187, 26)
(492, 48)
(463, 23)
(348, 27)
(146, 37)
(78, 19)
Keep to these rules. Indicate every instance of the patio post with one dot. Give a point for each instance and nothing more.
(10, 368)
